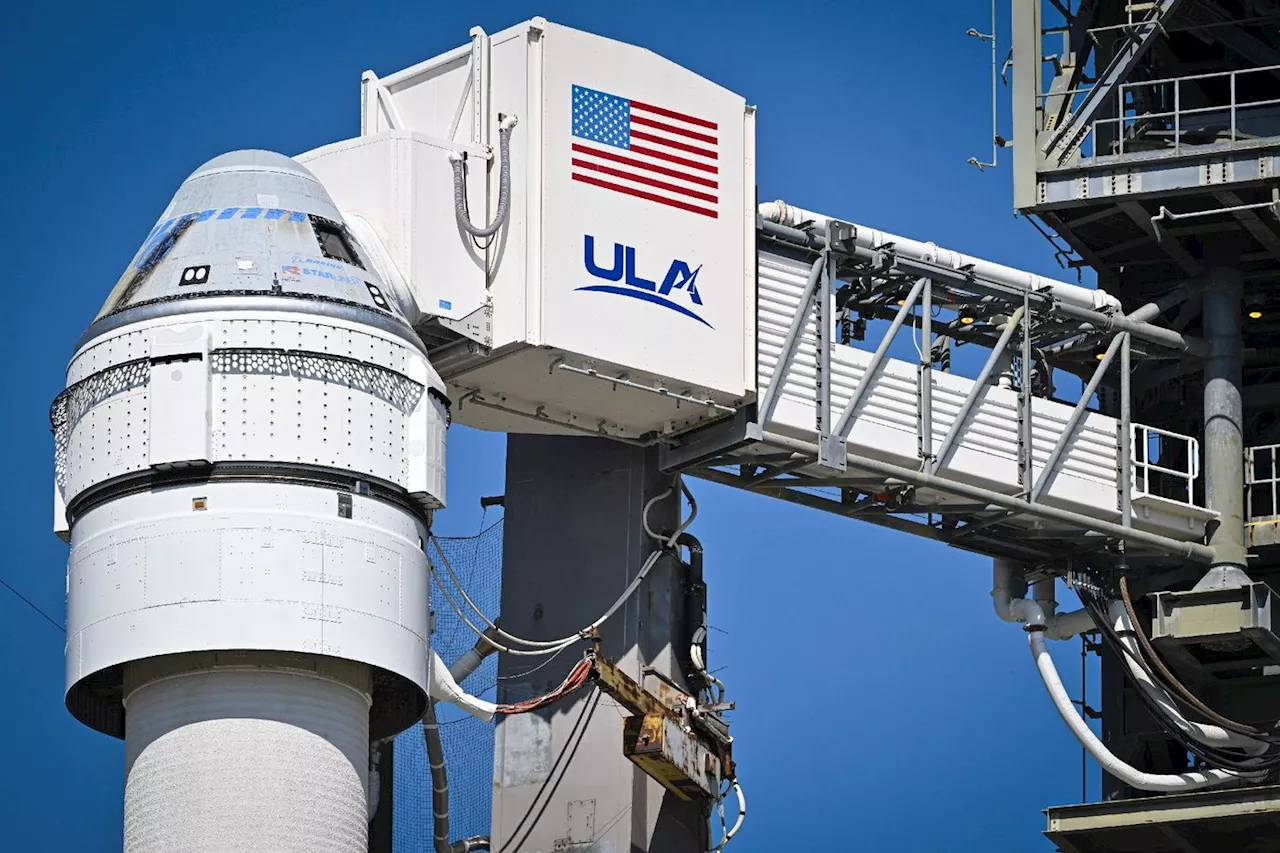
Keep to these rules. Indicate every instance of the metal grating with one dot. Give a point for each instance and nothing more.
(468, 742)
(72, 404)
(381, 382)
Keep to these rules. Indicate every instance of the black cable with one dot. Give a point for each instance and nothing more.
(1211, 756)
(34, 607)
(571, 745)
(1098, 608)
(1176, 686)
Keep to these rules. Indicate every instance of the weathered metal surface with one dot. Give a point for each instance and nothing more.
(675, 758)
(687, 753)
(1234, 819)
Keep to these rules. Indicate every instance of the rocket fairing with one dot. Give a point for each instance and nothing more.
(248, 453)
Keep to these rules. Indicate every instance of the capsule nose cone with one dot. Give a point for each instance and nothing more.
(253, 160)
(253, 225)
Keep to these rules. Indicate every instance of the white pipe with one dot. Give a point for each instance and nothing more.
(470, 660)
(1129, 775)
(1007, 585)
(870, 238)
(1210, 735)
(443, 688)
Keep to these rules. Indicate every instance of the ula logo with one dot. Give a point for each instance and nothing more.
(621, 268)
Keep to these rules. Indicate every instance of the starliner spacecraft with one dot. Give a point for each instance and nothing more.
(548, 233)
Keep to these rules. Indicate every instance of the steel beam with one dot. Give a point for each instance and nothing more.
(1050, 469)
(1251, 222)
(1135, 211)
(1173, 547)
(845, 421)
(977, 390)
(830, 449)
(779, 491)
(965, 281)
(1026, 444)
(1124, 472)
(572, 542)
(1126, 59)
(779, 378)
(924, 377)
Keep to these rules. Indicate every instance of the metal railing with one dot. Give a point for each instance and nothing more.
(1262, 482)
(1155, 453)
(1220, 122)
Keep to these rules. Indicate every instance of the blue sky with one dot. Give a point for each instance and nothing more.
(882, 706)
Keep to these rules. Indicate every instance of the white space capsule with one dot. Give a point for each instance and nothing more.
(248, 451)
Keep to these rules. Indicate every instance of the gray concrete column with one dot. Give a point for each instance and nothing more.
(573, 540)
(1224, 414)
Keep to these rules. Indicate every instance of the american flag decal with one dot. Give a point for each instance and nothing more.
(645, 151)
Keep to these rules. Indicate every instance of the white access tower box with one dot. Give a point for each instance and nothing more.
(629, 240)
(626, 292)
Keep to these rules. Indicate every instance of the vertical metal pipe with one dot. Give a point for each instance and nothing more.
(924, 379)
(1224, 414)
(1177, 117)
(1233, 107)
(1025, 447)
(1124, 473)
(822, 305)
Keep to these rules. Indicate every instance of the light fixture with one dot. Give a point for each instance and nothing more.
(901, 302)
(966, 321)
(1254, 310)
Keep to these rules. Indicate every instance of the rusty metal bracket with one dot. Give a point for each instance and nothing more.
(667, 736)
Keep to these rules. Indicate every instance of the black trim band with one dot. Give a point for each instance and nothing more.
(296, 474)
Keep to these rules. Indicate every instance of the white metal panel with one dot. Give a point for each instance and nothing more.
(425, 441)
(179, 398)
(260, 566)
(885, 425)
(428, 96)
(403, 182)
(540, 281)
(642, 245)
(515, 82)
(248, 400)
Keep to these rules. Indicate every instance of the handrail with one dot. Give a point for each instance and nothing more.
(1123, 118)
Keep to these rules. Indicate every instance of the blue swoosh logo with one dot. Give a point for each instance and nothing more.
(646, 296)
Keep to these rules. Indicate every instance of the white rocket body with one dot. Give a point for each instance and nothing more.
(248, 452)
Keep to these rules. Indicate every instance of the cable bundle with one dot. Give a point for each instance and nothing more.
(1148, 661)
(575, 681)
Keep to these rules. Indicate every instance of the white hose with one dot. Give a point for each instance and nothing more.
(1209, 735)
(737, 824)
(443, 688)
(1129, 775)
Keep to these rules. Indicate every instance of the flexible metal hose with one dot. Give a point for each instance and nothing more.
(504, 185)
(440, 791)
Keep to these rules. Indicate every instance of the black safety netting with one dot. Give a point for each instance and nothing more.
(468, 742)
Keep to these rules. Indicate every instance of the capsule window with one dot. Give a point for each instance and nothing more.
(335, 242)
